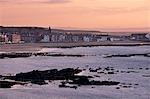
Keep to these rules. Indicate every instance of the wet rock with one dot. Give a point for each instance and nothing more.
(93, 70)
(128, 72)
(90, 77)
(107, 68)
(111, 73)
(146, 75)
(99, 68)
(38, 81)
(106, 83)
(146, 68)
(6, 84)
(130, 68)
(136, 84)
(125, 86)
(39, 77)
(9, 84)
(63, 85)
(92, 87)
(117, 70)
(58, 54)
(112, 69)
(127, 55)
(117, 87)
(68, 74)
(80, 80)
(69, 71)
(96, 76)
(83, 80)
(101, 72)
(15, 55)
(28, 54)
(75, 87)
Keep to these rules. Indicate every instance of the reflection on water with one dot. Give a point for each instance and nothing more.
(132, 70)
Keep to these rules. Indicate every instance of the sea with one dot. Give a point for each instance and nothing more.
(134, 73)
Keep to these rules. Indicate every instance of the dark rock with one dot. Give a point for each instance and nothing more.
(136, 84)
(92, 87)
(117, 70)
(39, 77)
(38, 81)
(128, 55)
(90, 76)
(80, 80)
(58, 55)
(146, 75)
(126, 86)
(18, 55)
(75, 87)
(6, 84)
(123, 71)
(63, 85)
(140, 68)
(111, 73)
(96, 75)
(146, 68)
(117, 87)
(112, 69)
(107, 69)
(92, 70)
(106, 83)
(130, 68)
(9, 84)
(128, 72)
(15, 55)
(83, 80)
(101, 72)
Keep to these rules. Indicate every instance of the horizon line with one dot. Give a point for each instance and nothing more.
(112, 29)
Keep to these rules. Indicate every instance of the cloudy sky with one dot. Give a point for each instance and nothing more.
(111, 15)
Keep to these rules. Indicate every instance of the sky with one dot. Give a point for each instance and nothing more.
(105, 15)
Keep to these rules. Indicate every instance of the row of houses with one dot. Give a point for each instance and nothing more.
(46, 35)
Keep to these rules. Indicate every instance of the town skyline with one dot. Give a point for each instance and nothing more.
(102, 15)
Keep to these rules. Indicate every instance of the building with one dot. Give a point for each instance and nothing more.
(46, 39)
(3, 38)
(62, 38)
(75, 38)
(140, 37)
(148, 36)
(100, 38)
(16, 38)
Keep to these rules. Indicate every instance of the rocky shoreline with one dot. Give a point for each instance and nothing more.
(69, 77)
(29, 54)
(127, 55)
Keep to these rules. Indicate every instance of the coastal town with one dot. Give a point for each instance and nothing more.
(15, 35)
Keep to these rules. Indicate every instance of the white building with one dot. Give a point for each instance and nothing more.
(103, 38)
(75, 38)
(62, 37)
(115, 39)
(147, 35)
(46, 38)
(86, 39)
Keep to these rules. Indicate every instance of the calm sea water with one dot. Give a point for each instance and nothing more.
(94, 58)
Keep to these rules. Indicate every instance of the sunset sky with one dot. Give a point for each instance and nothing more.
(110, 15)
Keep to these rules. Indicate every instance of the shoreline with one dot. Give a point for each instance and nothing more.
(34, 47)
